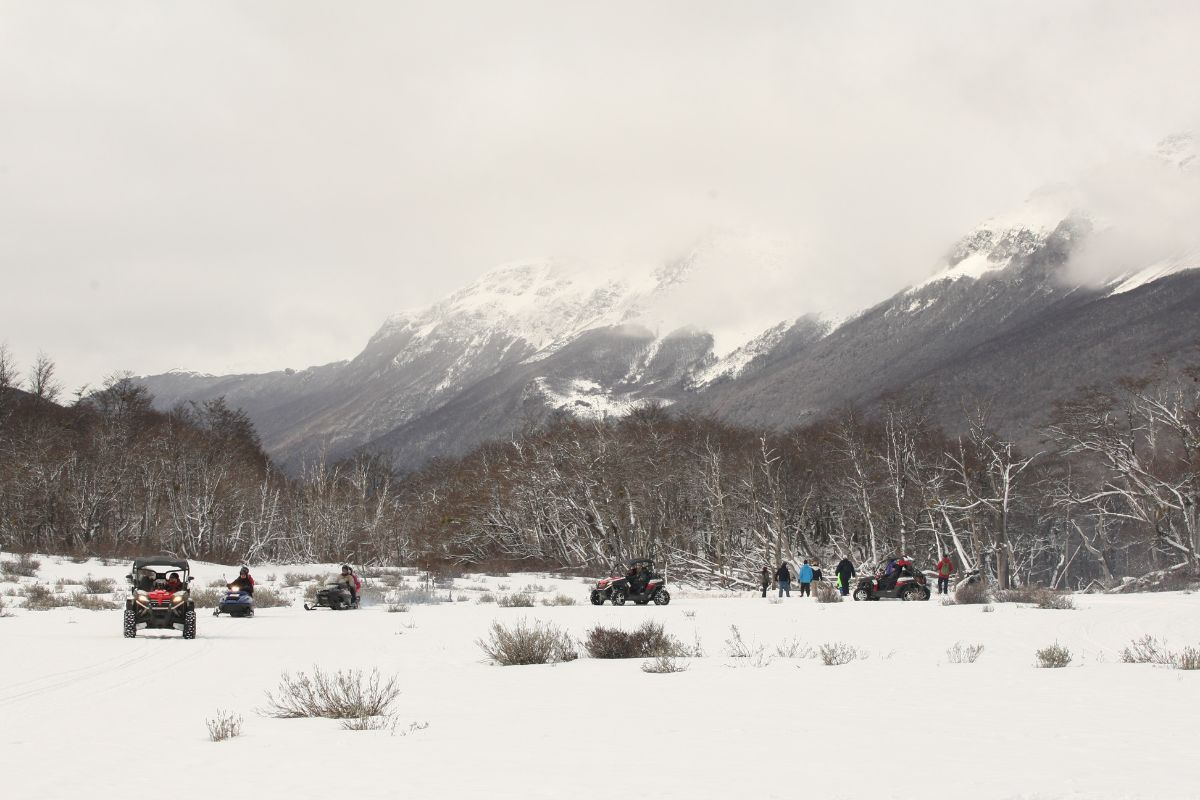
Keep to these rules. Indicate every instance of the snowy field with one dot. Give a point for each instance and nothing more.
(85, 713)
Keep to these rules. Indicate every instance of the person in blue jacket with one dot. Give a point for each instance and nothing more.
(806, 579)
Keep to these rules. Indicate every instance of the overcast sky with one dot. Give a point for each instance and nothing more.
(252, 185)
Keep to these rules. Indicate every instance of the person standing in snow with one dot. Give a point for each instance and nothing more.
(806, 579)
(817, 574)
(845, 574)
(784, 576)
(766, 579)
(945, 568)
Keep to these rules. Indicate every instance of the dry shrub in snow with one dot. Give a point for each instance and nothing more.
(649, 640)
(515, 600)
(559, 600)
(397, 608)
(39, 597)
(964, 654)
(793, 648)
(1188, 658)
(975, 593)
(90, 602)
(99, 585)
(225, 725)
(4, 612)
(1042, 598)
(486, 597)
(208, 598)
(988, 609)
(754, 655)
(344, 694)
(662, 665)
(269, 598)
(1146, 650)
(1053, 657)
(825, 592)
(294, 579)
(539, 643)
(384, 723)
(217, 583)
(24, 567)
(416, 597)
(834, 654)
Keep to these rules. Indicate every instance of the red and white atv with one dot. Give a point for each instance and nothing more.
(903, 581)
(640, 585)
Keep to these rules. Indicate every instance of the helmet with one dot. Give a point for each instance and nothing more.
(244, 571)
(346, 568)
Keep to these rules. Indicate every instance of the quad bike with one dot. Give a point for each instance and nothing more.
(335, 596)
(236, 602)
(905, 583)
(640, 585)
(153, 605)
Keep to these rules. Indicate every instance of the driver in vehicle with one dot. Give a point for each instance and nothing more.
(146, 580)
(173, 582)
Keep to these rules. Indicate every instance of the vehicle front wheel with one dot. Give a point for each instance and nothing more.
(130, 624)
(597, 597)
(910, 593)
(189, 625)
(861, 593)
(662, 598)
(618, 598)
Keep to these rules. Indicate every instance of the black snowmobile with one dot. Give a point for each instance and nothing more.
(903, 581)
(335, 596)
(154, 603)
(640, 585)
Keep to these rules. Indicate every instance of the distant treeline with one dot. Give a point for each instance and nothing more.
(1111, 494)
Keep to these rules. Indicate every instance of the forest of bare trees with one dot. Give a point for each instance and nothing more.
(1108, 500)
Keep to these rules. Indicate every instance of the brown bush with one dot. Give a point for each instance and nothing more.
(976, 593)
(345, 694)
(647, 641)
(540, 643)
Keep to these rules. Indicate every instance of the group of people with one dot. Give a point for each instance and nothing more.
(844, 572)
(809, 573)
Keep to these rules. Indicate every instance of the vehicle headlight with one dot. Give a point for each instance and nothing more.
(177, 598)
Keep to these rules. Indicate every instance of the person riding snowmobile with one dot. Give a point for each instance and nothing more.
(350, 581)
(244, 581)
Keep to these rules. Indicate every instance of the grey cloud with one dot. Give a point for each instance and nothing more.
(258, 185)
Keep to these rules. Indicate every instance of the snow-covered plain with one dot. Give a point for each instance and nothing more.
(85, 713)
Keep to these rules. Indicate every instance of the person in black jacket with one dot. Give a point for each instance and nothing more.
(784, 576)
(766, 580)
(244, 581)
(845, 574)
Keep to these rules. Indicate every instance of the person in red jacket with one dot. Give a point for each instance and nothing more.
(944, 568)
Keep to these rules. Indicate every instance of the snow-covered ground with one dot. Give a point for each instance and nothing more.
(85, 713)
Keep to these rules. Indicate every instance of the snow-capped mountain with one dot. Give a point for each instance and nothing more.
(1015, 314)
(525, 339)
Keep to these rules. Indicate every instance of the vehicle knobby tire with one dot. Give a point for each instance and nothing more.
(189, 624)
(862, 594)
(662, 598)
(597, 597)
(130, 624)
(910, 593)
(618, 598)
